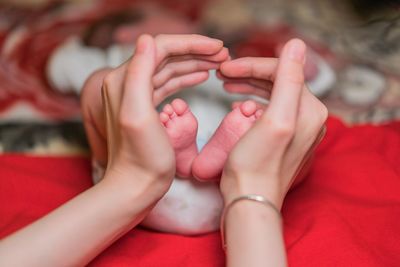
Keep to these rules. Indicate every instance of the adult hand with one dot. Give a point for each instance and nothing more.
(133, 129)
(281, 139)
(180, 61)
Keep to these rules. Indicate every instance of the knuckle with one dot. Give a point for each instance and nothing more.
(236, 163)
(160, 42)
(165, 168)
(173, 85)
(130, 124)
(282, 129)
(170, 72)
(160, 38)
(125, 122)
(193, 37)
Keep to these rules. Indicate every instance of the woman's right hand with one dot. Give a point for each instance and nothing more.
(266, 160)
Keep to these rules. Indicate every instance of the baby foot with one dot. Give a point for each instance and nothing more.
(209, 163)
(181, 127)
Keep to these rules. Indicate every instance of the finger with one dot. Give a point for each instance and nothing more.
(258, 105)
(183, 44)
(263, 84)
(175, 69)
(138, 88)
(177, 83)
(220, 56)
(289, 83)
(246, 89)
(250, 67)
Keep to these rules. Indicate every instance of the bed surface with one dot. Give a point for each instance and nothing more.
(345, 213)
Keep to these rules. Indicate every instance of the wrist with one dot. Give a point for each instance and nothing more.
(235, 186)
(258, 228)
(252, 211)
(249, 211)
(136, 190)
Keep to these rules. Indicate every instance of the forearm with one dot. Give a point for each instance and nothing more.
(76, 232)
(254, 236)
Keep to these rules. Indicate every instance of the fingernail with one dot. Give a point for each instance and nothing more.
(296, 51)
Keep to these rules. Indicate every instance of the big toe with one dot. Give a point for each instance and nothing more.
(248, 108)
(179, 106)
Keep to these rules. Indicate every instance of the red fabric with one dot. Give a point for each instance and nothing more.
(346, 213)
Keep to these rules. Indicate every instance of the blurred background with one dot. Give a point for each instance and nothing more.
(48, 49)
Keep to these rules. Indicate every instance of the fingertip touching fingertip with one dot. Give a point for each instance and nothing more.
(218, 74)
(221, 66)
(224, 67)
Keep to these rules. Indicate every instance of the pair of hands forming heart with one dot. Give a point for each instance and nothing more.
(125, 133)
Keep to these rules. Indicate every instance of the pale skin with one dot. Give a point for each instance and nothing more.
(135, 180)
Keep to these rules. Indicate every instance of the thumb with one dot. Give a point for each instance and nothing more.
(138, 86)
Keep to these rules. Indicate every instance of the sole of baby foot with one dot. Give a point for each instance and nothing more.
(210, 162)
(181, 126)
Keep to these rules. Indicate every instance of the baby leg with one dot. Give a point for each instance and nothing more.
(181, 126)
(209, 164)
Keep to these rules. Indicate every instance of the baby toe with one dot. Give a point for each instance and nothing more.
(168, 109)
(164, 117)
(259, 113)
(248, 108)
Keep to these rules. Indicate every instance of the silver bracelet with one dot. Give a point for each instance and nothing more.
(250, 197)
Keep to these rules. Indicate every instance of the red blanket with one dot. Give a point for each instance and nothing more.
(346, 213)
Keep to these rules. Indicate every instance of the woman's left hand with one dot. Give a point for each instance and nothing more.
(139, 151)
(139, 157)
(281, 140)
